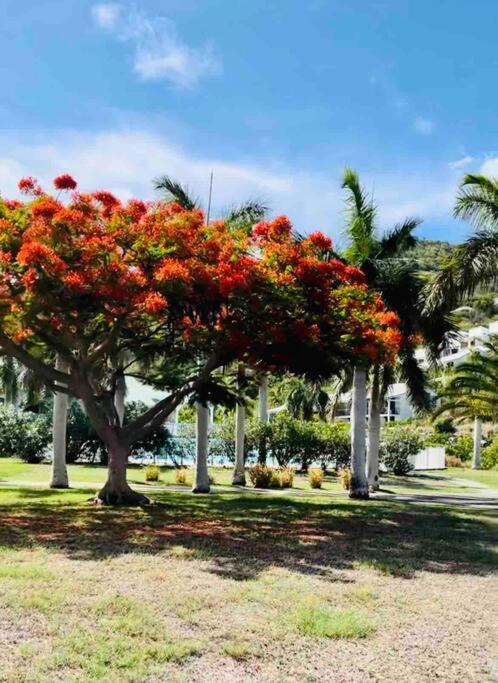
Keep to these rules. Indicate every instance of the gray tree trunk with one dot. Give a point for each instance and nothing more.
(119, 397)
(201, 475)
(476, 454)
(263, 417)
(374, 425)
(359, 484)
(59, 479)
(116, 490)
(239, 472)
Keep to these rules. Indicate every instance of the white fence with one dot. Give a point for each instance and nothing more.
(432, 458)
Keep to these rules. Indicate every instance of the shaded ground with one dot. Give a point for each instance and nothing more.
(252, 588)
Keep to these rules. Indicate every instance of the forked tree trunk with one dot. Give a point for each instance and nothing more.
(116, 490)
(476, 454)
(263, 417)
(59, 479)
(359, 484)
(374, 431)
(201, 477)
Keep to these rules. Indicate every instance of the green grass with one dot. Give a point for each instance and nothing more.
(321, 622)
(440, 482)
(141, 594)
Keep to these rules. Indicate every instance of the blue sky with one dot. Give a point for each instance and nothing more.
(276, 96)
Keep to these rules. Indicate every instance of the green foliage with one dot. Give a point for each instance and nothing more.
(398, 444)
(444, 426)
(83, 443)
(461, 447)
(23, 434)
(489, 456)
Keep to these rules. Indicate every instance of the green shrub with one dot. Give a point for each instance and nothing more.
(461, 447)
(152, 473)
(315, 478)
(489, 456)
(398, 444)
(23, 434)
(444, 426)
(335, 444)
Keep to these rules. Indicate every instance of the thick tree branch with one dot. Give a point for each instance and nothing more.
(48, 373)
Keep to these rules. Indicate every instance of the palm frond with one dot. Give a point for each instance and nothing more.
(172, 190)
(246, 214)
(399, 239)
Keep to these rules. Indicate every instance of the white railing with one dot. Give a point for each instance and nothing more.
(431, 458)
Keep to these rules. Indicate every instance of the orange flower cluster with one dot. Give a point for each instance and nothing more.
(74, 269)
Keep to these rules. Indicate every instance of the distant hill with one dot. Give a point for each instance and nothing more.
(430, 254)
(480, 308)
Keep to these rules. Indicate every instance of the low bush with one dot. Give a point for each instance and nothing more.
(181, 476)
(453, 461)
(315, 478)
(261, 476)
(287, 477)
(152, 473)
(489, 456)
(398, 444)
(23, 434)
(345, 478)
(461, 447)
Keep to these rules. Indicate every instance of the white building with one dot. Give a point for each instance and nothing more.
(397, 405)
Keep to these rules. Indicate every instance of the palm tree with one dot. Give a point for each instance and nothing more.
(241, 217)
(472, 393)
(475, 262)
(59, 479)
(387, 270)
(307, 398)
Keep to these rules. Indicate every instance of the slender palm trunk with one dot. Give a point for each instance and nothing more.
(374, 431)
(239, 472)
(59, 479)
(476, 454)
(119, 397)
(263, 417)
(359, 484)
(201, 476)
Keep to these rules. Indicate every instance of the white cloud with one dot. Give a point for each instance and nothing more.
(423, 126)
(106, 15)
(159, 52)
(125, 161)
(490, 167)
(462, 163)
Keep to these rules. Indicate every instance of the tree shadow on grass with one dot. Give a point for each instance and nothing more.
(241, 536)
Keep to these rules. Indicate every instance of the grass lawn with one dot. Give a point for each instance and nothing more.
(439, 482)
(232, 587)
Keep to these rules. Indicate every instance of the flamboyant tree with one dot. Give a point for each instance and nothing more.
(90, 280)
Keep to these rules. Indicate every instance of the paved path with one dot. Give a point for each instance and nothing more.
(489, 499)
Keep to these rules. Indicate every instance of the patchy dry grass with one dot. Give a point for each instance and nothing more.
(232, 588)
